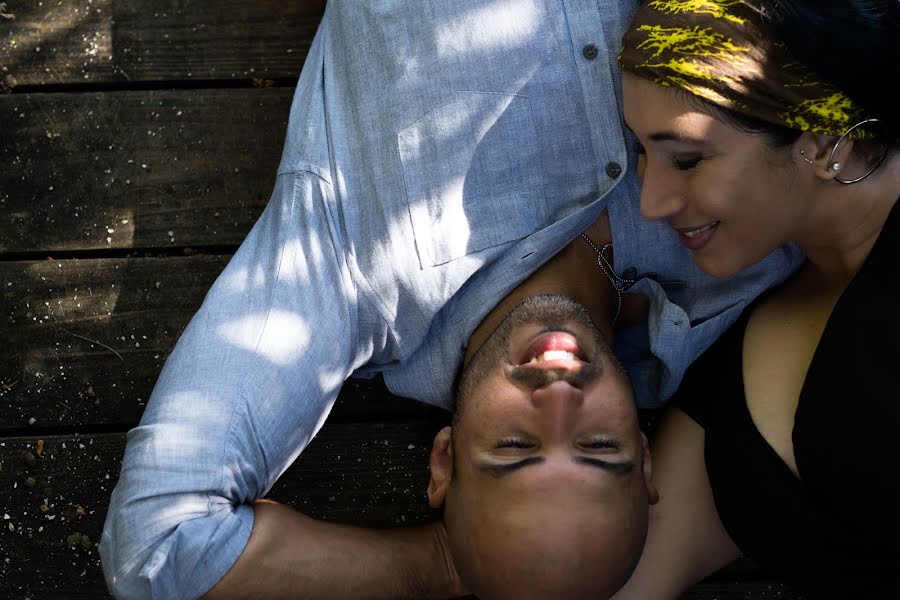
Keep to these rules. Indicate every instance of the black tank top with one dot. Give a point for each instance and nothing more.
(835, 531)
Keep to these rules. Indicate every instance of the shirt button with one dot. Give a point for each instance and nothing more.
(613, 169)
(589, 51)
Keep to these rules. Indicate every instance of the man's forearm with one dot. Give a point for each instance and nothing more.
(290, 555)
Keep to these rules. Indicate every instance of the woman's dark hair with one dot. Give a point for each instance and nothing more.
(852, 44)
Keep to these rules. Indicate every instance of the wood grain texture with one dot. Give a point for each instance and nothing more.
(86, 340)
(131, 41)
(122, 170)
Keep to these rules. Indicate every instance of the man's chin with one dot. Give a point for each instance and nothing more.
(538, 325)
(550, 309)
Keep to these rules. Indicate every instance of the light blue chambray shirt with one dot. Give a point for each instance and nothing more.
(438, 152)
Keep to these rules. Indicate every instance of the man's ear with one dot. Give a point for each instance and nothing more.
(652, 492)
(440, 462)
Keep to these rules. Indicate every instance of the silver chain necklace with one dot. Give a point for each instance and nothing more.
(620, 284)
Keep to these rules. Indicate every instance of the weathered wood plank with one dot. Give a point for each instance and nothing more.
(133, 309)
(137, 169)
(56, 494)
(131, 40)
(85, 340)
(372, 474)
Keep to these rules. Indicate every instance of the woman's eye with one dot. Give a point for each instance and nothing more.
(686, 163)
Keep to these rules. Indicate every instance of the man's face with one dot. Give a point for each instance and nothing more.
(549, 477)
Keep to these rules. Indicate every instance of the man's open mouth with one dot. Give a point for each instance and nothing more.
(557, 349)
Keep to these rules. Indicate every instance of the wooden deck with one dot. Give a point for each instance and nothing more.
(138, 144)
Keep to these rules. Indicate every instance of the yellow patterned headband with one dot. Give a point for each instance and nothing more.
(724, 52)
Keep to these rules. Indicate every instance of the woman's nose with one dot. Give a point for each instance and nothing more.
(661, 197)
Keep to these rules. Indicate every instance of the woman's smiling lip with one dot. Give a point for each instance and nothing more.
(695, 238)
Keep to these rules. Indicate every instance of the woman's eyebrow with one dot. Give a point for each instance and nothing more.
(671, 136)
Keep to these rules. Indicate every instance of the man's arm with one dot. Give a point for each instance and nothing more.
(290, 555)
(246, 388)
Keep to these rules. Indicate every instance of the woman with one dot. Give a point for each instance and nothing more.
(764, 123)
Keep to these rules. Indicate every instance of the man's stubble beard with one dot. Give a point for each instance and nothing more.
(554, 312)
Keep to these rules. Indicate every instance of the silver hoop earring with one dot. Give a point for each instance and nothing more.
(835, 166)
(803, 156)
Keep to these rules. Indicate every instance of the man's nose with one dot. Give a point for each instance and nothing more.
(559, 404)
(661, 197)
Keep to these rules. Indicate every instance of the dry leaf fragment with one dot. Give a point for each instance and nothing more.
(7, 83)
(39, 448)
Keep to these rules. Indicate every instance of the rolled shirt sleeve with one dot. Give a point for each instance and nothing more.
(247, 386)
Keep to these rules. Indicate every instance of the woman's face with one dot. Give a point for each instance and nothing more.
(731, 198)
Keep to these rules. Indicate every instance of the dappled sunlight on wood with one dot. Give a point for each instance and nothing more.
(64, 41)
(100, 41)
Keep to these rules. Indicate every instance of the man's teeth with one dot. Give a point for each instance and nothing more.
(553, 355)
(697, 232)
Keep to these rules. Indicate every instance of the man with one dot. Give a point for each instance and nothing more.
(438, 155)
(545, 473)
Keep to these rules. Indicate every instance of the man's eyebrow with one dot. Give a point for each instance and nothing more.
(618, 468)
(498, 470)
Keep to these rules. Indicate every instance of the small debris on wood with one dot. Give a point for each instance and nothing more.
(7, 83)
(39, 448)
(262, 83)
(4, 14)
(81, 337)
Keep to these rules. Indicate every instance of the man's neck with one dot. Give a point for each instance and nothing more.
(572, 272)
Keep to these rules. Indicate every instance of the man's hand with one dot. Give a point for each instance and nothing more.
(290, 555)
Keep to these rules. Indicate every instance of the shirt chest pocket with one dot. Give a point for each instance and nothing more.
(473, 175)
